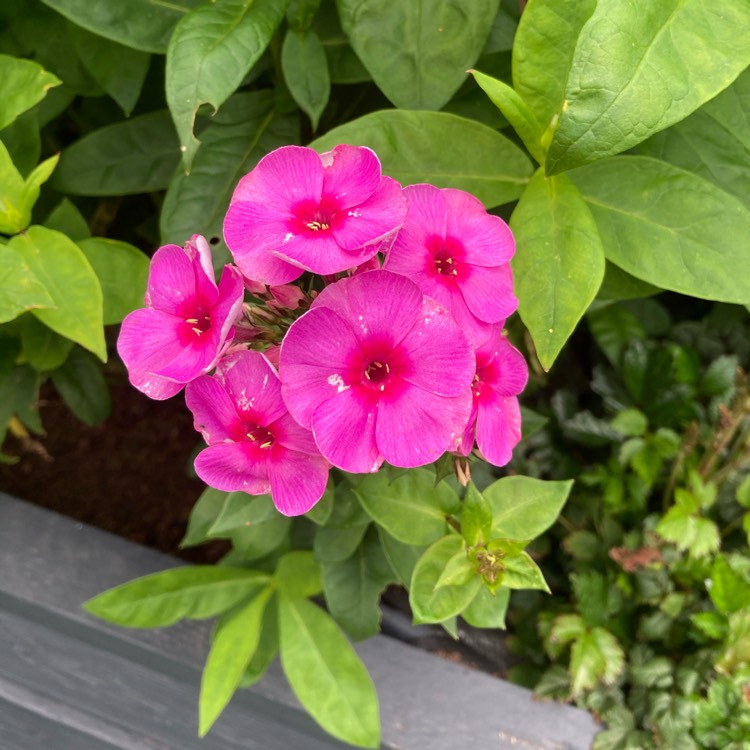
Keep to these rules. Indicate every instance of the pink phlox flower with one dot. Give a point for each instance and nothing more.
(188, 321)
(378, 372)
(286, 297)
(254, 445)
(459, 255)
(501, 374)
(298, 210)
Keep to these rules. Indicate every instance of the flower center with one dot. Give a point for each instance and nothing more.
(315, 217)
(262, 437)
(200, 324)
(377, 373)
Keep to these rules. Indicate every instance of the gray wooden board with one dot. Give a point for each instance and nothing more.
(71, 682)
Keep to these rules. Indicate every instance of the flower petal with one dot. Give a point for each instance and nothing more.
(488, 292)
(154, 386)
(314, 361)
(502, 367)
(293, 435)
(352, 174)
(171, 280)
(417, 427)
(344, 429)
(320, 253)
(214, 415)
(298, 480)
(149, 340)
(231, 467)
(498, 427)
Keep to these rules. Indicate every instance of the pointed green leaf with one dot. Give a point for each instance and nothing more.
(141, 24)
(336, 544)
(416, 63)
(729, 590)
(321, 511)
(411, 508)
(305, 67)
(524, 508)
(516, 112)
(596, 656)
(136, 156)
(638, 69)
(66, 218)
(203, 516)
(326, 674)
(559, 264)
(430, 604)
(476, 517)
(211, 50)
(402, 557)
(442, 149)
(521, 572)
(233, 645)
(160, 599)
(565, 629)
(20, 289)
(488, 608)
(298, 574)
(23, 83)
(641, 203)
(71, 282)
(267, 649)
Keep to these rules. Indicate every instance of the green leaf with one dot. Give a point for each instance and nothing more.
(595, 657)
(641, 203)
(515, 111)
(343, 63)
(743, 492)
(592, 594)
(476, 517)
(638, 69)
(618, 285)
(44, 349)
(142, 24)
(735, 653)
(267, 649)
(123, 273)
(430, 604)
(305, 67)
(713, 142)
(614, 327)
(18, 195)
(565, 629)
(442, 149)
(326, 674)
(119, 70)
(79, 380)
(160, 599)
(402, 557)
(72, 284)
(524, 508)
(630, 422)
(245, 130)
(415, 63)
(559, 265)
(521, 572)
(321, 511)
(66, 218)
(232, 647)
(353, 588)
(488, 608)
(700, 536)
(139, 155)
(458, 571)
(719, 378)
(23, 141)
(300, 14)
(335, 544)
(543, 54)
(203, 516)
(23, 83)
(411, 508)
(20, 289)
(729, 590)
(211, 50)
(298, 574)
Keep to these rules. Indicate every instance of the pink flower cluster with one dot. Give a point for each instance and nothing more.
(396, 364)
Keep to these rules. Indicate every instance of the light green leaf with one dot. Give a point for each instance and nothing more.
(700, 536)
(233, 645)
(23, 83)
(267, 649)
(123, 273)
(639, 68)
(300, 13)
(326, 674)
(119, 70)
(23, 141)
(458, 571)
(735, 653)
(353, 588)
(66, 218)
(476, 517)
(630, 422)
(44, 349)
(246, 128)
(521, 572)
(305, 67)
(139, 155)
(743, 492)
(71, 282)
(559, 264)
(410, 507)
(524, 508)
(20, 289)
(595, 657)
(442, 149)
(565, 629)
(142, 24)
(488, 608)
(160, 599)
(203, 516)
(543, 54)
(430, 604)
(298, 574)
(713, 142)
(516, 112)
(211, 50)
(640, 204)
(418, 51)
(80, 381)
(729, 591)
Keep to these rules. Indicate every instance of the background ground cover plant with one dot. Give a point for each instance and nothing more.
(637, 117)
